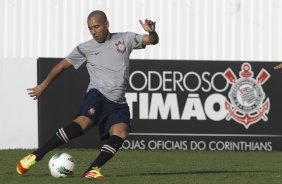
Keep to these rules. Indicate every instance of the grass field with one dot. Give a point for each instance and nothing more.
(152, 167)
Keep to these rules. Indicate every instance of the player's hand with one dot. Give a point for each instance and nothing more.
(148, 25)
(278, 66)
(36, 91)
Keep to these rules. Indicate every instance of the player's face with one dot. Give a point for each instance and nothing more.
(98, 28)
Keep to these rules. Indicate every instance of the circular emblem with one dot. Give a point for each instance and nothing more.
(246, 95)
(91, 111)
(120, 47)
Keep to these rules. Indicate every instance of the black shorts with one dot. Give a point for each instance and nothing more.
(103, 112)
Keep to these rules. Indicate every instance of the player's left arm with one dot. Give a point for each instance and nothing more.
(152, 38)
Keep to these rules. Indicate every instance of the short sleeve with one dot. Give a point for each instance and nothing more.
(135, 40)
(76, 57)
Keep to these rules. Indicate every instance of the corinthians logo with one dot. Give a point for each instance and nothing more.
(120, 47)
(247, 103)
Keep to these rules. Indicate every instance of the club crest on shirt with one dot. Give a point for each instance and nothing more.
(120, 47)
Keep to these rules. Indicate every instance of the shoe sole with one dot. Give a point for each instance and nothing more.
(20, 169)
(91, 176)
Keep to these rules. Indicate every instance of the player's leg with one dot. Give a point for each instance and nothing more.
(88, 113)
(114, 126)
(61, 136)
(118, 133)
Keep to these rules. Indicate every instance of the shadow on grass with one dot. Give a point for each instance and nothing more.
(153, 173)
(191, 172)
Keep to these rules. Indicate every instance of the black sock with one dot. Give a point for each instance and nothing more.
(62, 136)
(108, 150)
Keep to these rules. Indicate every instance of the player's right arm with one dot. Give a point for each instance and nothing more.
(55, 72)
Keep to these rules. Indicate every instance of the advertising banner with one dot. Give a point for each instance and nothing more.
(199, 105)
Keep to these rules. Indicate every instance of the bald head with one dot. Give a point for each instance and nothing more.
(98, 25)
(98, 13)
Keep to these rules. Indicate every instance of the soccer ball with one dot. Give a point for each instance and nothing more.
(61, 165)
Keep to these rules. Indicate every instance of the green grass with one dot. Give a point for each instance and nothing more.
(153, 167)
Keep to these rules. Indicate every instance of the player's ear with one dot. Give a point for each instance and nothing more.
(107, 24)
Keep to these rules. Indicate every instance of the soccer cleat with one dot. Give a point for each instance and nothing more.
(25, 163)
(95, 173)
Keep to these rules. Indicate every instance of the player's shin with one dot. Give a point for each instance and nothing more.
(62, 136)
(108, 150)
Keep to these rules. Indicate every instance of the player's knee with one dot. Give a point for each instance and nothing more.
(83, 121)
(120, 129)
(122, 134)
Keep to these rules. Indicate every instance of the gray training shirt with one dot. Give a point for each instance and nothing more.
(107, 63)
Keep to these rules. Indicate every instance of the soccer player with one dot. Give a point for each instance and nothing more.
(104, 105)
